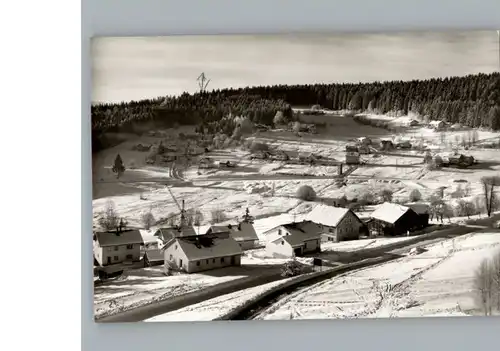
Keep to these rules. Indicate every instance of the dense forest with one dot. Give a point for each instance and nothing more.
(473, 100)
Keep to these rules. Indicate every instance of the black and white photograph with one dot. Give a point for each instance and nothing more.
(296, 176)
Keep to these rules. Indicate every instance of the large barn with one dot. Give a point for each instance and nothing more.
(393, 219)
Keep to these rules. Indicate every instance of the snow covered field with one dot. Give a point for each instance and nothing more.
(276, 196)
(437, 282)
(217, 307)
(139, 287)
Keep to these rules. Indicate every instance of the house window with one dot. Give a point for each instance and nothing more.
(279, 231)
(110, 249)
(115, 258)
(175, 247)
(222, 259)
(116, 248)
(130, 246)
(198, 263)
(283, 242)
(207, 261)
(213, 261)
(171, 257)
(305, 245)
(129, 257)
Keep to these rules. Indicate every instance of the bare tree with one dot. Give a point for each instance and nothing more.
(490, 200)
(415, 196)
(465, 208)
(147, 220)
(495, 265)
(306, 193)
(109, 219)
(483, 282)
(218, 216)
(386, 195)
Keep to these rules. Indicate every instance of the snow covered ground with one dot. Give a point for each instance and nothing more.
(217, 307)
(139, 287)
(437, 282)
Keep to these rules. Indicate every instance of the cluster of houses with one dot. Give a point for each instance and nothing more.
(222, 245)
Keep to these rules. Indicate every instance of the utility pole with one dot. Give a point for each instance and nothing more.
(202, 82)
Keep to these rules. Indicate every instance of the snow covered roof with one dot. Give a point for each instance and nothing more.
(299, 232)
(114, 239)
(148, 236)
(389, 212)
(436, 123)
(327, 215)
(154, 255)
(209, 246)
(172, 232)
(418, 207)
(243, 231)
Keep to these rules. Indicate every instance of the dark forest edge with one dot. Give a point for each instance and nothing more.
(472, 100)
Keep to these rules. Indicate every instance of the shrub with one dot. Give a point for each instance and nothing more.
(306, 193)
(292, 268)
(147, 220)
(415, 196)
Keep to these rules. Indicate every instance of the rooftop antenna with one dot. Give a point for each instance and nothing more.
(202, 82)
(183, 217)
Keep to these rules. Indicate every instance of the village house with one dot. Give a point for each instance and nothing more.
(337, 223)
(423, 211)
(386, 144)
(437, 125)
(352, 155)
(243, 232)
(293, 239)
(166, 234)
(153, 257)
(393, 219)
(202, 252)
(117, 247)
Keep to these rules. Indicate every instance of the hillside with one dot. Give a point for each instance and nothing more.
(472, 100)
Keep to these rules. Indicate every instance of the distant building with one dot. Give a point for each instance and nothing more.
(393, 219)
(337, 223)
(117, 247)
(205, 162)
(293, 239)
(386, 144)
(202, 252)
(437, 125)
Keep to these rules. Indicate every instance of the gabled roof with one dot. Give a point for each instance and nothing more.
(154, 255)
(242, 231)
(327, 215)
(299, 232)
(115, 239)
(419, 208)
(389, 212)
(169, 233)
(208, 246)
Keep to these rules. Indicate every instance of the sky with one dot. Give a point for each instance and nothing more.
(134, 68)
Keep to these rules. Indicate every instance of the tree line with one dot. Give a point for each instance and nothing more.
(472, 100)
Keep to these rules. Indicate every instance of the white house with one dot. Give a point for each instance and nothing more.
(293, 239)
(437, 125)
(337, 223)
(117, 247)
(202, 252)
(243, 232)
(166, 234)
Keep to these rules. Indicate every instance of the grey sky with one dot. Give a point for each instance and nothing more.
(136, 68)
